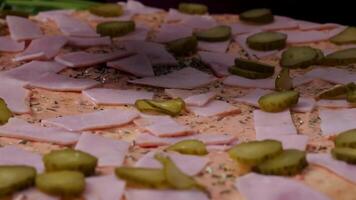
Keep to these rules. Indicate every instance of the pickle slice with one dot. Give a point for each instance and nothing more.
(107, 10)
(335, 92)
(193, 147)
(183, 46)
(283, 81)
(15, 177)
(253, 65)
(258, 16)
(267, 41)
(345, 154)
(342, 57)
(70, 159)
(61, 183)
(171, 107)
(351, 96)
(346, 139)
(278, 101)
(287, 163)
(193, 8)
(154, 178)
(5, 112)
(347, 36)
(249, 74)
(255, 152)
(216, 34)
(299, 57)
(115, 28)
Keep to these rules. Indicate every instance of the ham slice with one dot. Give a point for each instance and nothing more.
(10, 45)
(214, 108)
(170, 32)
(200, 99)
(104, 96)
(15, 96)
(88, 42)
(186, 78)
(12, 155)
(94, 120)
(62, 83)
(22, 28)
(18, 128)
(219, 62)
(220, 47)
(174, 15)
(45, 16)
(139, 8)
(334, 121)
(341, 168)
(340, 103)
(85, 59)
(111, 152)
(307, 26)
(301, 80)
(277, 123)
(106, 187)
(140, 33)
(255, 187)
(298, 36)
(151, 194)
(304, 105)
(200, 22)
(333, 75)
(138, 65)
(71, 26)
(33, 194)
(178, 93)
(196, 163)
(253, 54)
(288, 141)
(239, 81)
(39, 49)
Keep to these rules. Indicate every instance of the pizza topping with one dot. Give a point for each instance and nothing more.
(304, 105)
(334, 121)
(347, 36)
(283, 81)
(214, 108)
(199, 99)
(299, 36)
(107, 10)
(88, 42)
(219, 47)
(33, 194)
(5, 112)
(289, 141)
(252, 97)
(308, 26)
(351, 96)
(336, 92)
(61, 183)
(219, 62)
(341, 57)
(170, 32)
(258, 16)
(193, 8)
(101, 187)
(20, 157)
(22, 28)
(148, 177)
(333, 75)
(193, 147)
(345, 154)
(298, 57)
(137, 194)
(95, 120)
(111, 152)
(15, 177)
(139, 8)
(16, 101)
(70, 159)
(9, 45)
(183, 46)
(138, 65)
(215, 34)
(267, 41)
(250, 74)
(115, 28)
(251, 69)
(248, 83)
(278, 101)
(71, 26)
(171, 107)
(339, 103)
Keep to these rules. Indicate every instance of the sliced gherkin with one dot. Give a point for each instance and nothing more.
(347, 36)
(336, 92)
(346, 139)
(283, 81)
(193, 8)
(5, 112)
(278, 101)
(267, 41)
(107, 10)
(215, 34)
(115, 28)
(171, 107)
(299, 57)
(183, 46)
(344, 154)
(253, 65)
(342, 57)
(193, 147)
(351, 96)
(258, 16)
(142, 176)
(249, 73)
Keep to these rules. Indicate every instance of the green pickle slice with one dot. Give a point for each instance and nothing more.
(344, 154)
(193, 147)
(15, 177)
(115, 28)
(193, 8)
(278, 101)
(215, 34)
(255, 152)
(253, 65)
(107, 10)
(154, 178)
(336, 92)
(171, 107)
(346, 139)
(267, 41)
(258, 16)
(299, 57)
(287, 163)
(347, 36)
(5, 112)
(351, 96)
(342, 57)
(70, 159)
(61, 183)
(283, 81)
(183, 46)
(249, 73)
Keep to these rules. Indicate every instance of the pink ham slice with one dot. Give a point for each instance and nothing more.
(10, 45)
(170, 32)
(71, 26)
(88, 42)
(104, 96)
(62, 83)
(187, 78)
(200, 99)
(45, 16)
(39, 49)
(196, 163)
(214, 108)
(140, 33)
(111, 152)
(139, 8)
(297, 36)
(138, 65)
(15, 96)
(12, 155)
(219, 62)
(200, 22)
(22, 29)
(304, 105)
(18, 128)
(307, 26)
(85, 59)
(33, 194)
(249, 83)
(341, 168)
(178, 93)
(220, 47)
(288, 141)
(342, 103)
(334, 121)
(333, 75)
(95, 120)
(256, 187)
(152, 194)
(106, 187)
(174, 15)
(301, 80)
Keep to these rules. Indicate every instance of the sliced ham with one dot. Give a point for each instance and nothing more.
(15, 96)
(139, 8)
(170, 32)
(334, 121)
(307, 26)
(45, 16)
(214, 108)
(22, 28)
(138, 65)
(12, 155)
(219, 62)
(175, 15)
(104, 96)
(301, 80)
(85, 59)
(339, 103)
(333, 75)
(152, 194)
(186, 78)
(19, 128)
(33, 194)
(178, 93)
(62, 83)
(94, 120)
(305, 104)
(71, 26)
(140, 33)
(277, 123)
(220, 47)
(10, 45)
(239, 81)
(126, 15)
(256, 187)
(200, 99)
(253, 54)
(106, 187)
(200, 22)
(111, 152)
(88, 42)
(341, 168)
(298, 36)
(288, 141)
(39, 49)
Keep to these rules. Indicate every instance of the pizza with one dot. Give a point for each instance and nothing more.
(126, 101)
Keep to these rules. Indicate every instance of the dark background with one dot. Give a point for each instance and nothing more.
(337, 11)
